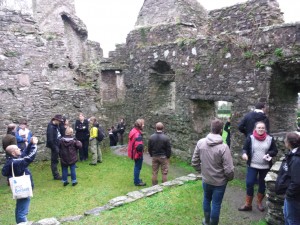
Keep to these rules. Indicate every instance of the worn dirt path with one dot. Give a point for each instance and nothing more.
(234, 196)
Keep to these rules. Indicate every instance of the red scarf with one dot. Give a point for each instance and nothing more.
(259, 137)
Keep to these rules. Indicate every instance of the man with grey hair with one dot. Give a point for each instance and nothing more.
(213, 160)
(159, 148)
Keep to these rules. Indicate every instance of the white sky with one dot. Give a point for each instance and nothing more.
(109, 21)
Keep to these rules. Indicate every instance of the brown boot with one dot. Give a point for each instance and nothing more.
(260, 197)
(248, 204)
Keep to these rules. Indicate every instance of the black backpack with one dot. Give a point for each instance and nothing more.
(101, 134)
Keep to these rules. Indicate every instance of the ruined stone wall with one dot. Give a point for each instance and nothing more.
(244, 16)
(37, 79)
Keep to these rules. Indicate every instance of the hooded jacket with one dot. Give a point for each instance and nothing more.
(135, 144)
(68, 150)
(293, 190)
(21, 163)
(246, 126)
(213, 159)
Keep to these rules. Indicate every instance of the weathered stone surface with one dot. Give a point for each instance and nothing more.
(71, 218)
(97, 210)
(172, 183)
(47, 221)
(151, 190)
(135, 194)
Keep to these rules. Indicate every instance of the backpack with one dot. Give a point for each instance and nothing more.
(100, 135)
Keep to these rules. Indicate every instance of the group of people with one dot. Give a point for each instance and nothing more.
(213, 159)
(116, 135)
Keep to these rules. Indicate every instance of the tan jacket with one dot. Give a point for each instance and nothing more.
(213, 159)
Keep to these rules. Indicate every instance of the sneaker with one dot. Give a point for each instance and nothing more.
(99, 161)
(57, 178)
(74, 184)
(66, 183)
(141, 184)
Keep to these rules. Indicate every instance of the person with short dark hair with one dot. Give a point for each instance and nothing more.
(113, 136)
(20, 161)
(258, 150)
(121, 130)
(9, 138)
(136, 150)
(212, 158)
(159, 148)
(246, 125)
(53, 136)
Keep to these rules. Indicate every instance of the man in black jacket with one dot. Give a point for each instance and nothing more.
(246, 126)
(53, 136)
(159, 148)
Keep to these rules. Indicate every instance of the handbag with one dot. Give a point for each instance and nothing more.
(20, 186)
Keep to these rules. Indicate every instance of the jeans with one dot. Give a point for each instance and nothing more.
(22, 208)
(137, 170)
(212, 200)
(251, 179)
(65, 173)
(291, 209)
(163, 162)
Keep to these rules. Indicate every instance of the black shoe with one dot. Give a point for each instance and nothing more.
(57, 178)
(74, 184)
(141, 184)
(98, 161)
(66, 183)
(92, 164)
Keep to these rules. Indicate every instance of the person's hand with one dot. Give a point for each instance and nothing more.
(245, 157)
(34, 140)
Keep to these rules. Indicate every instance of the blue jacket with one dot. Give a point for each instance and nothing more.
(20, 140)
(21, 163)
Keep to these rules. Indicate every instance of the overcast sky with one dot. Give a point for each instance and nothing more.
(109, 21)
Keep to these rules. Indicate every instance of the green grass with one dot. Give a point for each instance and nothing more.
(97, 185)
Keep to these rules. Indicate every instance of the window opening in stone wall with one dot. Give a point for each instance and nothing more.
(112, 85)
(162, 88)
(223, 109)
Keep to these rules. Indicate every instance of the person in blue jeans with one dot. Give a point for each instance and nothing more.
(136, 150)
(213, 160)
(20, 161)
(68, 153)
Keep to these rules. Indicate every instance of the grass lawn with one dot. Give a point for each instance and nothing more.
(97, 185)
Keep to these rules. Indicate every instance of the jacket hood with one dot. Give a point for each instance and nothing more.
(214, 139)
(259, 116)
(133, 132)
(67, 141)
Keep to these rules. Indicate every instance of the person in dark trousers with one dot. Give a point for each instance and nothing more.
(246, 126)
(83, 135)
(159, 148)
(68, 152)
(258, 150)
(121, 130)
(227, 129)
(136, 150)
(113, 136)
(53, 136)
(20, 161)
(213, 159)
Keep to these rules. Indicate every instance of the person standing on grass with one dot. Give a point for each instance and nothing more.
(94, 143)
(212, 158)
(53, 136)
(83, 135)
(68, 153)
(258, 150)
(20, 162)
(121, 130)
(159, 148)
(136, 150)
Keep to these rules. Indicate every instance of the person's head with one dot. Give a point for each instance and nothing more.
(93, 119)
(216, 126)
(139, 124)
(57, 119)
(159, 126)
(122, 120)
(260, 127)
(81, 117)
(260, 105)
(69, 131)
(23, 123)
(11, 128)
(292, 140)
(13, 150)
